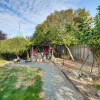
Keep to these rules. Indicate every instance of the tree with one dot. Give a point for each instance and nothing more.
(88, 33)
(57, 28)
(2, 35)
(82, 13)
(16, 46)
(53, 28)
(94, 42)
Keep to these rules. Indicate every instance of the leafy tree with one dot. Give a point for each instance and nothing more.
(82, 13)
(53, 28)
(88, 33)
(15, 45)
(57, 28)
(94, 41)
(2, 35)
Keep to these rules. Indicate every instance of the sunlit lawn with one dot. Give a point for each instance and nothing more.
(2, 61)
(20, 83)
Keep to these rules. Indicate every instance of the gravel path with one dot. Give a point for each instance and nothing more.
(55, 85)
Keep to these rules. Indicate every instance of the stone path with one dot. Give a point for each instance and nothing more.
(55, 85)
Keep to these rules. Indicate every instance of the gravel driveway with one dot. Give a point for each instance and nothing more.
(55, 85)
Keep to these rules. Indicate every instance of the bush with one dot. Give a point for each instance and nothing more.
(98, 85)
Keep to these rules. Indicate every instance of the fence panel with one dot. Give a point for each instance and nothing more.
(81, 52)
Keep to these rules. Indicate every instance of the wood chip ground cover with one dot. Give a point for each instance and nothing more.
(20, 83)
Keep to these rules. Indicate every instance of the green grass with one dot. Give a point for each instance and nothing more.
(20, 83)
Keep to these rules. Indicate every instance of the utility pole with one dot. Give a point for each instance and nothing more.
(19, 32)
(19, 28)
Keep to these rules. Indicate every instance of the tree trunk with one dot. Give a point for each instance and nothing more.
(68, 50)
(52, 54)
(96, 57)
(70, 53)
(18, 57)
(97, 65)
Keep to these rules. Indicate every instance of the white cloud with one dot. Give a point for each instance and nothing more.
(28, 13)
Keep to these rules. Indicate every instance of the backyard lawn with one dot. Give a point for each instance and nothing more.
(20, 83)
(2, 61)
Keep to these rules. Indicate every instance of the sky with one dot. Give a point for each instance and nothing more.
(27, 14)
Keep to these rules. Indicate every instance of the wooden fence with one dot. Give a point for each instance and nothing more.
(79, 52)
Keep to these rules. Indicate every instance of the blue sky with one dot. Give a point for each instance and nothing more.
(29, 13)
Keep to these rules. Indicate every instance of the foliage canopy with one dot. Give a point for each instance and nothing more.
(57, 28)
(15, 45)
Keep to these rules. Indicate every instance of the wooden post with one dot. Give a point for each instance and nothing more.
(32, 53)
(84, 53)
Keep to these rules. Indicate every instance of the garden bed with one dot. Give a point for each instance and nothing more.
(85, 83)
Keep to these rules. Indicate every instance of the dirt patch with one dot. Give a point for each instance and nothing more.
(28, 83)
(42, 95)
(21, 80)
(85, 85)
(41, 74)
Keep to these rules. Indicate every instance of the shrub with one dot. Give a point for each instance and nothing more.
(98, 85)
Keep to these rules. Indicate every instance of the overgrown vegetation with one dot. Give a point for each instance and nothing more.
(88, 33)
(13, 47)
(20, 83)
